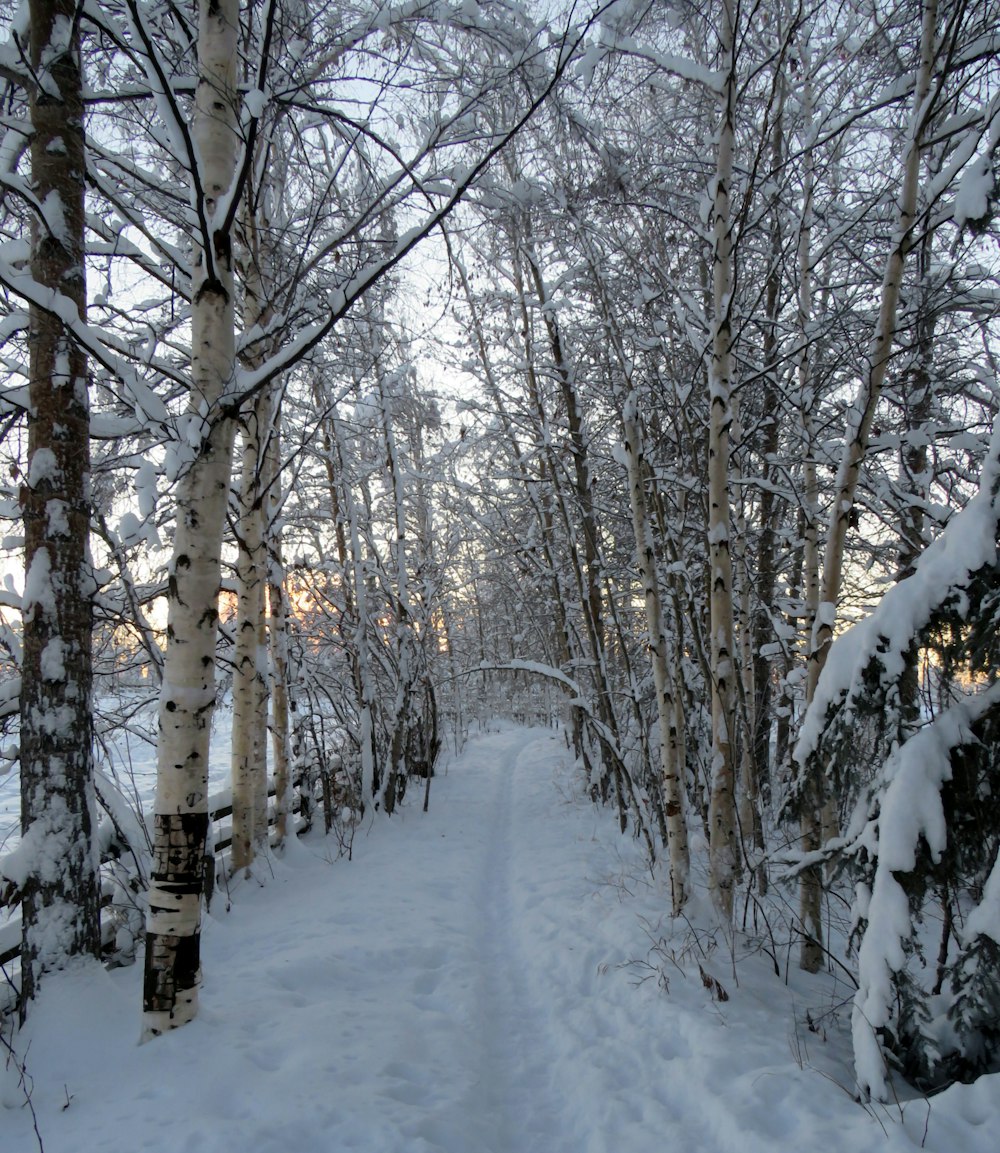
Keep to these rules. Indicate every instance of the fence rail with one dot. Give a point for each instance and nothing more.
(220, 808)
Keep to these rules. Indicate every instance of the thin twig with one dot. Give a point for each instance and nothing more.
(25, 1083)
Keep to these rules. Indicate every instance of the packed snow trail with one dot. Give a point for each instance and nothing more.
(472, 981)
(503, 1081)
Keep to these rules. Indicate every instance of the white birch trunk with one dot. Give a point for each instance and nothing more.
(250, 666)
(749, 803)
(723, 848)
(811, 889)
(879, 350)
(855, 448)
(394, 781)
(281, 737)
(671, 766)
(249, 759)
(187, 699)
(364, 676)
(589, 573)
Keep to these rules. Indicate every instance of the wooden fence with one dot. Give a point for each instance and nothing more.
(220, 808)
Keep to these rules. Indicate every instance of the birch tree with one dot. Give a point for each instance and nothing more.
(250, 685)
(671, 762)
(855, 448)
(173, 959)
(283, 704)
(879, 352)
(250, 671)
(318, 295)
(723, 851)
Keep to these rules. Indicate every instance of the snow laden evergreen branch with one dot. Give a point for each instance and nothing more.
(908, 808)
(905, 822)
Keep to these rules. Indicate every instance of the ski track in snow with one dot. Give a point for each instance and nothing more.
(506, 1101)
(466, 984)
(515, 1085)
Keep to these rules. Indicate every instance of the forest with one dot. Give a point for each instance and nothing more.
(373, 370)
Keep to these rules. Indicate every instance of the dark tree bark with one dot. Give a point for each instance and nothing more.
(59, 887)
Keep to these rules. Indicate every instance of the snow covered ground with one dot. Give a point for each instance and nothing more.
(478, 979)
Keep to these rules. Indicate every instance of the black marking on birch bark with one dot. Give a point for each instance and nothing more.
(213, 286)
(173, 594)
(208, 866)
(172, 965)
(188, 961)
(179, 846)
(223, 242)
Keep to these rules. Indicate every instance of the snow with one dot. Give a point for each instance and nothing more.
(497, 975)
(38, 584)
(54, 215)
(145, 488)
(53, 660)
(130, 528)
(984, 920)
(57, 514)
(972, 201)
(719, 533)
(43, 467)
(254, 102)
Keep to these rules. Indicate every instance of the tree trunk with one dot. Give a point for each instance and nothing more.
(856, 445)
(405, 643)
(723, 849)
(250, 671)
(671, 766)
(879, 351)
(591, 574)
(249, 760)
(750, 805)
(353, 575)
(914, 461)
(282, 705)
(60, 892)
(811, 887)
(187, 699)
(771, 507)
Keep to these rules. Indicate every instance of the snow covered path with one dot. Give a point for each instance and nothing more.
(463, 985)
